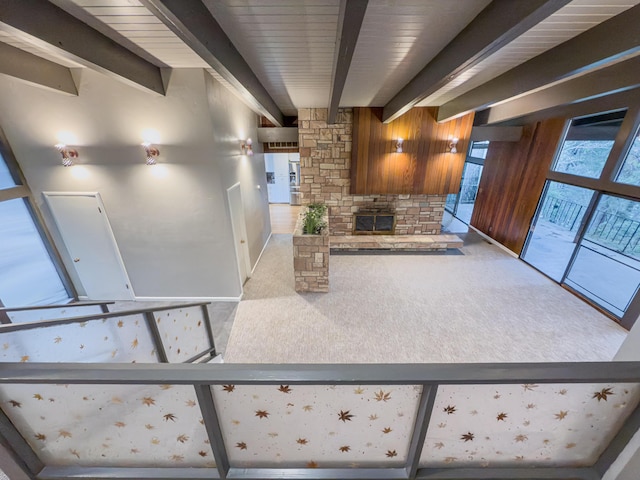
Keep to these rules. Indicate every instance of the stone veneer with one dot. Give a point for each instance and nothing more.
(325, 161)
(310, 259)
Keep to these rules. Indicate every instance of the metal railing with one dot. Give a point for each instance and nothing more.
(164, 346)
(31, 313)
(213, 387)
(608, 229)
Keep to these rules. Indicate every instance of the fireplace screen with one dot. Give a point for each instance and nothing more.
(374, 223)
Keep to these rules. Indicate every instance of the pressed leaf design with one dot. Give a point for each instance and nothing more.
(603, 394)
(382, 396)
(345, 416)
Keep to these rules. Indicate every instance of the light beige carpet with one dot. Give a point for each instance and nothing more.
(483, 306)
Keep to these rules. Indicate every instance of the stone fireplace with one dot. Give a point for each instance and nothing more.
(325, 160)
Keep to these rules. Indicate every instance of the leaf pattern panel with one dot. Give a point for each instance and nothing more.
(525, 425)
(317, 426)
(125, 339)
(183, 332)
(110, 425)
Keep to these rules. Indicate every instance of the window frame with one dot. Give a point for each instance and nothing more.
(22, 191)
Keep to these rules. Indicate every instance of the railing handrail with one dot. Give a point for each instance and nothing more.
(46, 307)
(318, 374)
(13, 327)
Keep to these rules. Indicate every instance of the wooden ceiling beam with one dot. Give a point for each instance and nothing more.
(33, 69)
(349, 24)
(52, 29)
(619, 77)
(498, 24)
(194, 24)
(606, 42)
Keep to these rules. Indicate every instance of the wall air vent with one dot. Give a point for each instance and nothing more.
(282, 145)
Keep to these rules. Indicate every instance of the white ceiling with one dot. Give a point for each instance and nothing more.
(290, 44)
(569, 21)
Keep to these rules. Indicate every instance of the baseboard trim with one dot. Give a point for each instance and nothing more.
(188, 299)
(264, 247)
(494, 242)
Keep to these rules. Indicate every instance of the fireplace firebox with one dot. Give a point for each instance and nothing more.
(374, 223)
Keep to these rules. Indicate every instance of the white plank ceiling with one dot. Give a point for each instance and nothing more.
(397, 40)
(290, 44)
(569, 21)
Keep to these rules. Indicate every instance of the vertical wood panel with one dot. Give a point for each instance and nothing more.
(424, 167)
(512, 181)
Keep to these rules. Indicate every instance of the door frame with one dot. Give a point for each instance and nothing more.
(236, 240)
(110, 236)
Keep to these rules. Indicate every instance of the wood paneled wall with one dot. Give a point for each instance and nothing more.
(426, 165)
(512, 181)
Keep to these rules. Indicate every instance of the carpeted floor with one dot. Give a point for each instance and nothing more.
(483, 306)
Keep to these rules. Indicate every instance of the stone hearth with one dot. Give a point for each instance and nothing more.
(395, 243)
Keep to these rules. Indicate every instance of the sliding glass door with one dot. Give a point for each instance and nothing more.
(586, 231)
(606, 266)
(556, 228)
(461, 204)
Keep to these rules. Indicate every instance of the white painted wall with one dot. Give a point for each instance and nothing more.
(627, 465)
(173, 230)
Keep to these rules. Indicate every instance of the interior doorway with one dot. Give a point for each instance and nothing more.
(239, 227)
(85, 230)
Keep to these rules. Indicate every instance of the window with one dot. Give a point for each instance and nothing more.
(6, 179)
(630, 171)
(28, 275)
(461, 204)
(587, 144)
(606, 267)
(479, 149)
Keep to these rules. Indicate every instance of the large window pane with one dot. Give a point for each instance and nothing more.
(553, 240)
(27, 274)
(450, 203)
(587, 144)
(630, 171)
(607, 266)
(479, 149)
(6, 180)
(468, 191)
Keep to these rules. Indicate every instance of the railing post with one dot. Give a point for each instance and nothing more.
(22, 454)
(212, 424)
(207, 324)
(425, 408)
(156, 337)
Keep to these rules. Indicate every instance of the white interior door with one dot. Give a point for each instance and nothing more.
(85, 230)
(239, 232)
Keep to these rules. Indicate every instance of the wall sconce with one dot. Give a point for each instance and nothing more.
(68, 154)
(452, 145)
(399, 143)
(247, 148)
(151, 152)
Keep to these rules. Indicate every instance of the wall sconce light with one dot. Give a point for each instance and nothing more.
(453, 144)
(247, 148)
(399, 143)
(68, 154)
(152, 153)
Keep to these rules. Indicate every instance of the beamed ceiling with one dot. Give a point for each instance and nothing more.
(281, 55)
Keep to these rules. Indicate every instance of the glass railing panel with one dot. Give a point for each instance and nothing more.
(22, 316)
(124, 339)
(308, 426)
(183, 332)
(110, 425)
(527, 425)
